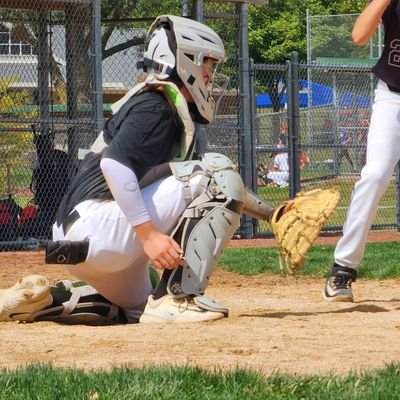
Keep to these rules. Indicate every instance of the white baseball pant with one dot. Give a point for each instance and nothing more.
(116, 265)
(383, 153)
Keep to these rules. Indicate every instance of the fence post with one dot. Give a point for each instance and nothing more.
(253, 131)
(245, 156)
(97, 67)
(185, 8)
(43, 69)
(293, 124)
(201, 137)
(253, 125)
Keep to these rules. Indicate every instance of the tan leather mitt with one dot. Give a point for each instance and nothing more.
(296, 229)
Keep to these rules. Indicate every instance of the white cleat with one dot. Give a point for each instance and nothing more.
(30, 294)
(170, 310)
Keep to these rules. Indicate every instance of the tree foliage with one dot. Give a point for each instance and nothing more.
(280, 27)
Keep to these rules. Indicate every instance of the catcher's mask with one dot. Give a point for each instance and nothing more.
(180, 49)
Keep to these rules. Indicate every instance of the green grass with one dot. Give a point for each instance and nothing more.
(381, 261)
(41, 382)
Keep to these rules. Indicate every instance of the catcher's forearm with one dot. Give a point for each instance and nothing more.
(257, 208)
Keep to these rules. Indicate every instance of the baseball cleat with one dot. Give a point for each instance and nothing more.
(172, 310)
(338, 285)
(334, 293)
(30, 294)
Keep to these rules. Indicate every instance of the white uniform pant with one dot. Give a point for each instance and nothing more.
(383, 153)
(281, 178)
(116, 265)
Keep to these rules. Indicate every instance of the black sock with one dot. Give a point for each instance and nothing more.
(161, 288)
(175, 285)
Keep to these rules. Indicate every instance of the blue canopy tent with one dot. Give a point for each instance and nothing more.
(352, 100)
(322, 95)
(264, 101)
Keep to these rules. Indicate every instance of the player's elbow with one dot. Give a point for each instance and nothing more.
(361, 35)
(358, 38)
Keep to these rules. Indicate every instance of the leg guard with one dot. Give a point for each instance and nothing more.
(208, 223)
(202, 240)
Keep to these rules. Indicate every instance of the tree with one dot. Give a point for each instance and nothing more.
(278, 28)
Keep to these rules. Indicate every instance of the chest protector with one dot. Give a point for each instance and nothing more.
(180, 103)
(187, 134)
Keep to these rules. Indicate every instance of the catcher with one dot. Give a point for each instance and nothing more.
(140, 197)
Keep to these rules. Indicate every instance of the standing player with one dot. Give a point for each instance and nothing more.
(383, 148)
(345, 139)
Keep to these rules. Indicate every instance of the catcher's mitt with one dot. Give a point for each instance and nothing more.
(297, 228)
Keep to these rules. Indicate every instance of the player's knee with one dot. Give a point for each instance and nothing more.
(197, 185)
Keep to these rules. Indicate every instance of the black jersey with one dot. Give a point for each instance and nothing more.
(388, 66)
(144, 133)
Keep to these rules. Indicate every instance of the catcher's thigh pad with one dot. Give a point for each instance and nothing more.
(209, 221)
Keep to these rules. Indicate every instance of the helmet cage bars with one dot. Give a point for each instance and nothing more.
(217, 87)
(176, 47)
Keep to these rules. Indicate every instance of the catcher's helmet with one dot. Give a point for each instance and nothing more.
(175, 48)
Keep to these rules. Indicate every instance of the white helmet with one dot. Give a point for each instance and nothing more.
(175, 49)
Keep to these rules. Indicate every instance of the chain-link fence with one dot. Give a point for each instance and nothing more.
(329, 39)
(223, 135)
(334, 112)
(63, 63)
(47, 108)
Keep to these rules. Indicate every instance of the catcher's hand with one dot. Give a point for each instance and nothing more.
(298, 222)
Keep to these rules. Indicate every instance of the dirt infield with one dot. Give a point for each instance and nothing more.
(275, 324)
